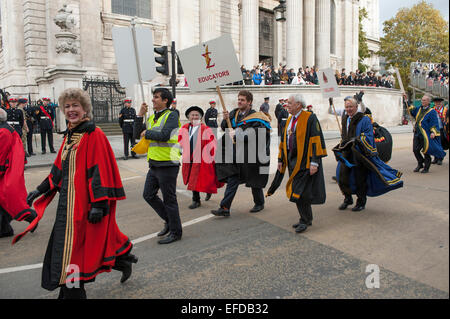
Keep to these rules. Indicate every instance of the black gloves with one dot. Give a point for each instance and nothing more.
(95, 215)
(32, 196)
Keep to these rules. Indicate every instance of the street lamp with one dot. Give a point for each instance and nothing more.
(279, 11)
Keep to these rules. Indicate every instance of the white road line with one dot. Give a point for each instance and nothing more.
(21, 268)
(130, 178)
(135, 241)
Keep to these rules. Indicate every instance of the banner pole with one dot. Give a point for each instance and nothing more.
(335, 114)
(136, 55)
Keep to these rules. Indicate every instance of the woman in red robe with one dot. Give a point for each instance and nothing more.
(199, 145)
(13, 194)
(85, 240)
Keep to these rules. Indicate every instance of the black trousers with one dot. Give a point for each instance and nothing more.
(72, 293)
(360, 173)
(305, 211)
(49, 134)
(164, 178)
(5, 223)
(196, 196)
(127, 138)
(418, 144)
(30, 137)
(231, 189)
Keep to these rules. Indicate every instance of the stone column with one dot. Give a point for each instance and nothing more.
(348, 36)
(174, 18)
(323, 34)
(13, 46)
(309, 31)
(250, 34)
(91, 35)
(294, 30)
(208, 18)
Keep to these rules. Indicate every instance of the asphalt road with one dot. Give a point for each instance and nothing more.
(404, 233)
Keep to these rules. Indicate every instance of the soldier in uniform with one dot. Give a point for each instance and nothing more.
(211, 116)
(46, 117)
(127, 116)
(15, 116)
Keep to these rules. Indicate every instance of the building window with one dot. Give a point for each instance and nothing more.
(133, 8)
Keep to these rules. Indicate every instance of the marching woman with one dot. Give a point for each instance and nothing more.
(199, 144)
(85, 240)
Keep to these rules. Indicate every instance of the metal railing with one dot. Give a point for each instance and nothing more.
(429, 85)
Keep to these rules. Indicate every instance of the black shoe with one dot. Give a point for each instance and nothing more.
(439, 162)
(418, 168)
(32, 154)
(301, 228)
(221, 212)
(334, 178)
(296, 225)
(44, 152)
(194, 205)
(358, 207)
(257, 208)
(124, 264)
(346, 203)
(125, 158)
(208, 197)
(435, 161)
(169, 239)
(8, 234)
(52, 151)
(164, 231)
(134, 156)
(425, 170)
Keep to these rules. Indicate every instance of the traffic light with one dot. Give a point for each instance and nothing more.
(162, 59)
(179, 66)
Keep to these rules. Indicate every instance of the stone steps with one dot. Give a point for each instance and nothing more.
(110, 128)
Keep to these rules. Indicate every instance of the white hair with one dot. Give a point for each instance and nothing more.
(298, 98)
(3, 115)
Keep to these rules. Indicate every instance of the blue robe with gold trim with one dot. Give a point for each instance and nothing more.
(381, 178)
(427, 123)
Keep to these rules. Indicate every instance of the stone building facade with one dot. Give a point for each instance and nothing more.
(40, 57)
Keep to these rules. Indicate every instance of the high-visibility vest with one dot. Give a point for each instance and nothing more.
(163, 151)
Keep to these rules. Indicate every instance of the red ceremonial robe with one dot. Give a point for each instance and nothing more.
(198, 169)
(13, 194)
(84, 172)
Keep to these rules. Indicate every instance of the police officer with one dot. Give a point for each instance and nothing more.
(30, 118)
(211, 116)
(15, 116)
(127, 116)
(46, 117)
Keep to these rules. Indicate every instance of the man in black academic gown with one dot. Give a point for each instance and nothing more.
(302, 140)
(246, 160)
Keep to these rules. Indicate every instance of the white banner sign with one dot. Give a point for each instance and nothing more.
(126, 58)
(210, 64)
(328, 84)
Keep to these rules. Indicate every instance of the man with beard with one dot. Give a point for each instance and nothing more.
(245, 158)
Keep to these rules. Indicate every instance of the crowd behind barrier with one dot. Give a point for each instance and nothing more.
(430, 77)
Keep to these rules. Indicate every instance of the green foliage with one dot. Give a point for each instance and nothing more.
(363, 50)
(419, 33)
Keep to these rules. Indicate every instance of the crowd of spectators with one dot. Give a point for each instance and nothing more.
(432, 71)
(264, 74)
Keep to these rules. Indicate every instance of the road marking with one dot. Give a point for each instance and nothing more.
(130, 178)
(21, 268)
(134, 242)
